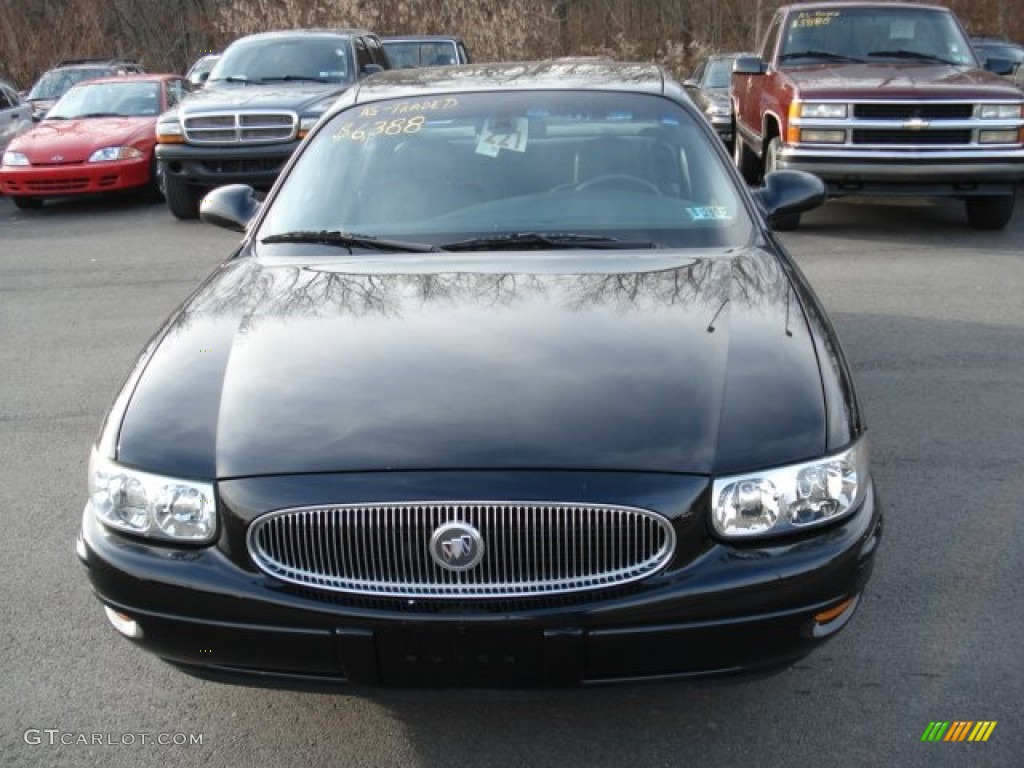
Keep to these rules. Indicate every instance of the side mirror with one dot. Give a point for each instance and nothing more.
(786, 193)
(371, 69)
(999, 66)
(749, 65)
(231, 207)
(203, 77)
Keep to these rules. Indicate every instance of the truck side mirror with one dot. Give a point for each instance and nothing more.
(749, 65)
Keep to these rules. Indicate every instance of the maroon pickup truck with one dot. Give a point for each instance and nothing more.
(880, 99)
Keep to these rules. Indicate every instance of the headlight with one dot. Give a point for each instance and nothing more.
(1010, 136)
(168, 131)
(792, 498)
(1000, 111)
(151, 505)
(15, 158)
(820, 109)
(108, 154)
(306, 124)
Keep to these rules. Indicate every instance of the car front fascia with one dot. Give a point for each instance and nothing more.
(731, 608)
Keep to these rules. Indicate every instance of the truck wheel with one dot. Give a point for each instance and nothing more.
(789, 221)
(744, 159)
(989, 212)
(182, 199)
(155, 189)
(26, 203)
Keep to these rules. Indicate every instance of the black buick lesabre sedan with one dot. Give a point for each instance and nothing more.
(509, 383)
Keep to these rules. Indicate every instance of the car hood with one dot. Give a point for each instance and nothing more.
(293, 96)
(902, 79)
(74, 140)
(618, 362)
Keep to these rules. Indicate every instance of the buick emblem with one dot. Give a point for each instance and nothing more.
(457, 546)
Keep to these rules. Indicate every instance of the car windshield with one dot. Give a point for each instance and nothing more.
(109, 99)
(873, 34)
(261, 60)
(56, 83)
(435, 53)
(559, 168)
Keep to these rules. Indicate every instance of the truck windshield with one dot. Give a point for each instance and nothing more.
(874, 34)
(262, 60)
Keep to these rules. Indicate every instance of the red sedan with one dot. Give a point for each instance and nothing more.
(98, 138)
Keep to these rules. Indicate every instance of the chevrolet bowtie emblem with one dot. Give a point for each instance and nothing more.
(916, 124)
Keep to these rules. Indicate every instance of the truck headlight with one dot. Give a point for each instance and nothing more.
(15, 159)
(151, 505)
(820, 109)
(169, 131)
(1000, 111)
(792, 498)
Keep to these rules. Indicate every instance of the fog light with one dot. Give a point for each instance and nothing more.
(818, 136)
(832, 620)
(998, 137)
(124, 624)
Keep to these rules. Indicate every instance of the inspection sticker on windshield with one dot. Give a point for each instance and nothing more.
(506, 134)
(709, 213)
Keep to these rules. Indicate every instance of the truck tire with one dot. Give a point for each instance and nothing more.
(745, 160)
(182, 199)
(790, 221)
(990, 211)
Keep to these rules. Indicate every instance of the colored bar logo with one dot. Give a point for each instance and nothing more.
(958, 730)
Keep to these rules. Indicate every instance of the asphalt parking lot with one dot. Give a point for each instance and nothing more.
(932, 318)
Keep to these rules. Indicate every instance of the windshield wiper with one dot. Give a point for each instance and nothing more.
(294, 78)
(232, 79)
(901, 54)
(101, 114)
(349, 240)
(538, 241)
(819, 55)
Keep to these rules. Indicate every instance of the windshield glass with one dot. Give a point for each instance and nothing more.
(873, 34)
(127, 99)
(55, 84)
(271, 59)
(420, 54)
(438, 170)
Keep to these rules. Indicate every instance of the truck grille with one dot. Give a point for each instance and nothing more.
(241, 128)
(937, 111)
(527, 548)
(904, 138)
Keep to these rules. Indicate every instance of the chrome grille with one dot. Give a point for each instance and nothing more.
(241, 128)
(529, 548)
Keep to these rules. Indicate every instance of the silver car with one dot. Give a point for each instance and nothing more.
(15, 114)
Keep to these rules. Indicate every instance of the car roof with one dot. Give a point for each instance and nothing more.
(552, 75)
(140, 78)
(285, 34)
(421, 39)
(839, 4)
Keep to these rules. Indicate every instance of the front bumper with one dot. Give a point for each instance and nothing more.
(74, 179)
(257, 165)
(730, 609)
(938, 173)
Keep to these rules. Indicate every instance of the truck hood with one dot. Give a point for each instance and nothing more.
(295, 96)
(590, 361)
(900, 80)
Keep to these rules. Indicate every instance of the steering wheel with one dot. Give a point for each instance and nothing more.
(619, 180)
